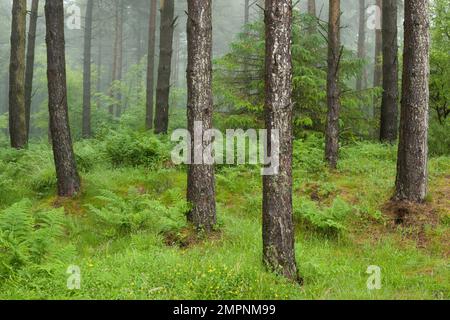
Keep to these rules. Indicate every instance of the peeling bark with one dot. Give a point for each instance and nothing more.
(200, 184)
(278, 226)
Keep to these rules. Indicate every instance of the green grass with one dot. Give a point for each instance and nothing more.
(124, 255)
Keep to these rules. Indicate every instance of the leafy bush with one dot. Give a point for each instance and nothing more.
(121, 216)
(328, 219)
(308, 154)
(29, 239)
(130, 148)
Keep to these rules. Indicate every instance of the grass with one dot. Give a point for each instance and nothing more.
(129, 258)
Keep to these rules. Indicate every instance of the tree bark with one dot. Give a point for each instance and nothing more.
(333, 91)
(86, 128)
(389, 103)
(151, 65)
(29, 71)
(378, 71)
(17, 117)
(66, 170)
(412, 173)
(164, 68)
(200, 183)
(278, 226)
(361, 81)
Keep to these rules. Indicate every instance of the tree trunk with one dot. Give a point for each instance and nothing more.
(200, 183)
(117, 58)
(246, 11)
(312, 12)
(17, 117)
(412, 173)
(361, 81)
(86, 130)
(164, 68)
(30, 62)
(389, 109)
(66, 170)
(151, 65)
(378, 71)
(278, 226)
(333, 91)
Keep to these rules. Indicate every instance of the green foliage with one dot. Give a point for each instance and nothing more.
(29, 239)
(328, 219)
(239, 81)
(119, 216)
(130, 148)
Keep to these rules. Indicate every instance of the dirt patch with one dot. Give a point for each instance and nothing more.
(411, 218)
(189, 237)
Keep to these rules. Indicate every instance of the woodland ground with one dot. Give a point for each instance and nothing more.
(127, 232)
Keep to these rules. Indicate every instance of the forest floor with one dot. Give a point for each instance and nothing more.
(127, 234)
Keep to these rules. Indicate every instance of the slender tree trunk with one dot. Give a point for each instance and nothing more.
(412, 173)
(361, 81)
(117, 59)
(200, 183)
(66, 170)
(151, 65)
(30, 62)
(378, 72)
(17, 117)
(176, 58)
(278, 226)
(99, 66)
(312, 12)
(164, 68)
(389, 103)
(333, 91)
(86, 128)
(246, 11)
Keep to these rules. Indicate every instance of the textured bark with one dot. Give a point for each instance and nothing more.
(86, 127)
(361, 81)
(278, 226)
(17, 117)
(164, 68)
(378, 71)
(200, 183)
(151, 66)
(66, 170)
(389, 103)
(29, 71)
(412, 173)
(333, 90)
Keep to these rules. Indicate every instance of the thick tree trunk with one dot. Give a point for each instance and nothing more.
(200, 183)
(389, 103)
(333, 91)
(17, 117)
(278, 226)
(412, 173)
(378, 71)
(66, 170)
(86, 128)
(361, 81)
(164, 68)
(29, 72)
(151, 66)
